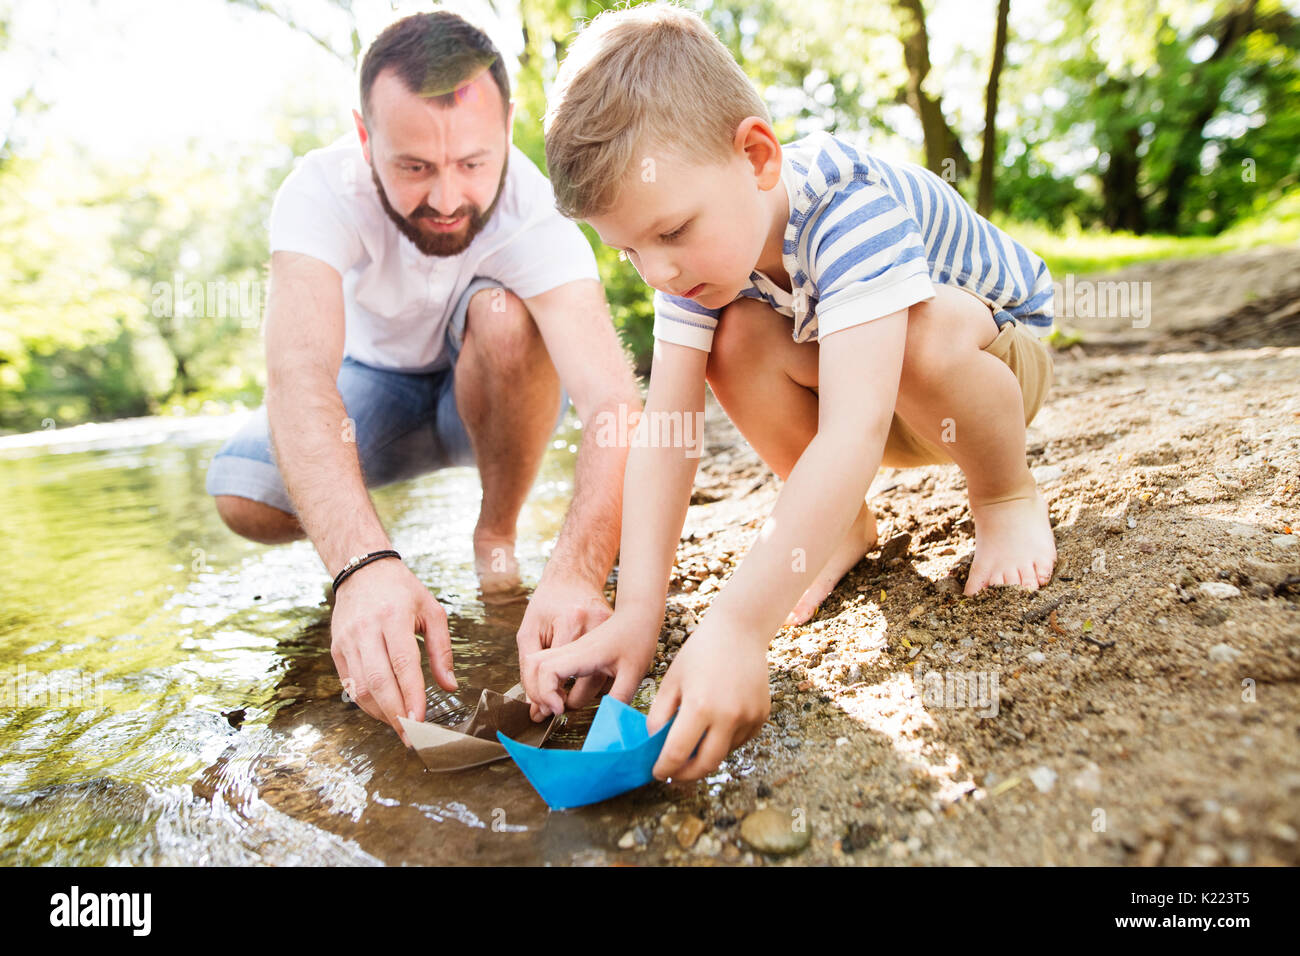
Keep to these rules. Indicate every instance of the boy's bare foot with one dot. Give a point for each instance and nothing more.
(496, 567)
(861, 538)
(1014, 543)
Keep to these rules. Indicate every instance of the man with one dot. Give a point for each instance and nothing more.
(428, 308)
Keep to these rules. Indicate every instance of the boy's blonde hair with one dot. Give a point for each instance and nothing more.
(650, 78)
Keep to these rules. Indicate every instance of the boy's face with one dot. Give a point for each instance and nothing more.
(697, 230)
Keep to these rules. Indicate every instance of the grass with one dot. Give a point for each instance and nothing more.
(1082, 252)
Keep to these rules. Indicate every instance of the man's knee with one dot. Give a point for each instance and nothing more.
(499, 327)
(257, 521)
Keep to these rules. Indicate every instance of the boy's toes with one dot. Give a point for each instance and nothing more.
(1029, 577)
(802, 613)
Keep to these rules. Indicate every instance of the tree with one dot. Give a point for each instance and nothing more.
(988, 156)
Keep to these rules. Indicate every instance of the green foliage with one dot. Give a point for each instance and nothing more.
(1128, 130)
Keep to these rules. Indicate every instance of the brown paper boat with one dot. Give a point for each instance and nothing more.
(473, 742)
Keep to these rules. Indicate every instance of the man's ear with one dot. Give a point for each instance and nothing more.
(756, 141)
(362, 135)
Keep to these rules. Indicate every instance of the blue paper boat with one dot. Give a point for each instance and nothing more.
(617, 756)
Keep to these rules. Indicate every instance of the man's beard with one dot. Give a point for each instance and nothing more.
(441, 244)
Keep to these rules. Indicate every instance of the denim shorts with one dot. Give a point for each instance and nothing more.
(405, 424)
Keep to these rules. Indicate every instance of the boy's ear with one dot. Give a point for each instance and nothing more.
(757, 141)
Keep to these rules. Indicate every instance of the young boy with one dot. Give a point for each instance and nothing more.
(847, 312)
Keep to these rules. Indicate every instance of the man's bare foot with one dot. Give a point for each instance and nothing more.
(1014, 543)
(860, 539)
(496, 567)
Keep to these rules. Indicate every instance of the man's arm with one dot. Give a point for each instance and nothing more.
(382, 605)
(579, 335)
(656, 495)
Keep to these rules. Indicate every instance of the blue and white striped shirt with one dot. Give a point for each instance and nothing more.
(867, 238)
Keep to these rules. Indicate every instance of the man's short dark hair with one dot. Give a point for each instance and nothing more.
(433, 54)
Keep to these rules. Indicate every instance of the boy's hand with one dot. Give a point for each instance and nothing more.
(718, 688)
(620, 649)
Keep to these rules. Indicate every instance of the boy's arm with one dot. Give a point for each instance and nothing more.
(656, 495)
(718, 683)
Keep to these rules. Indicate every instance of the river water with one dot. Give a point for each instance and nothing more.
(135, 629)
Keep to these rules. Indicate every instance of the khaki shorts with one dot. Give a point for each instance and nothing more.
(1021, 351)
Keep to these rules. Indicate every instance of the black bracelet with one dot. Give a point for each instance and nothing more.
(360, 561)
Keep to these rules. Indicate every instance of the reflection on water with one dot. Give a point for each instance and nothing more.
(134, 628)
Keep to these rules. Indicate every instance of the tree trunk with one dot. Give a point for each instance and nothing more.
(988, 157)
(943, 150)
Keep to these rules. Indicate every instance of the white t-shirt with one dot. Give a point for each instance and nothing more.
(398, 301)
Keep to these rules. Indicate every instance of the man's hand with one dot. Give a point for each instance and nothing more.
(378, 611)
(560, 610)
(717, 686)
(620, 650)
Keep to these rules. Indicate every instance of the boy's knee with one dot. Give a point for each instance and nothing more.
(735, 339)
(257, 521)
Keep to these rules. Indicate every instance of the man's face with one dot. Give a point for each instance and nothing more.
(691, 230)
(439, 170)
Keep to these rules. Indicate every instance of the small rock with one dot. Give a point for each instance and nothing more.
(898, 850)
(1045, 474)
(841, 741)
(1266, 572)
(1223, 653)
(676, 636)
(1035, 657)
(859, 837)
(708, 845)
(1044, 778)
(632, 838)
(688, 831)
(1223, 378)
(775, 831)
(1282, 831)
(1239, 854)
(1285, 540)
(1151, 854)
(1220, 589)
(1206, 855)
(1088, 779)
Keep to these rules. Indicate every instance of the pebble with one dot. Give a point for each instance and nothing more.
(1206, 855)
(775, 831)
(1285, 540)
(688, 831)
(1223, 653)
(1088, 779)
(1151, 853)
(708, 845)
(1035, 657)
(1044, 778)
(1239, 853)
(1220, 589)
(632, 838)
(1045, 474)
(1223, 378)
